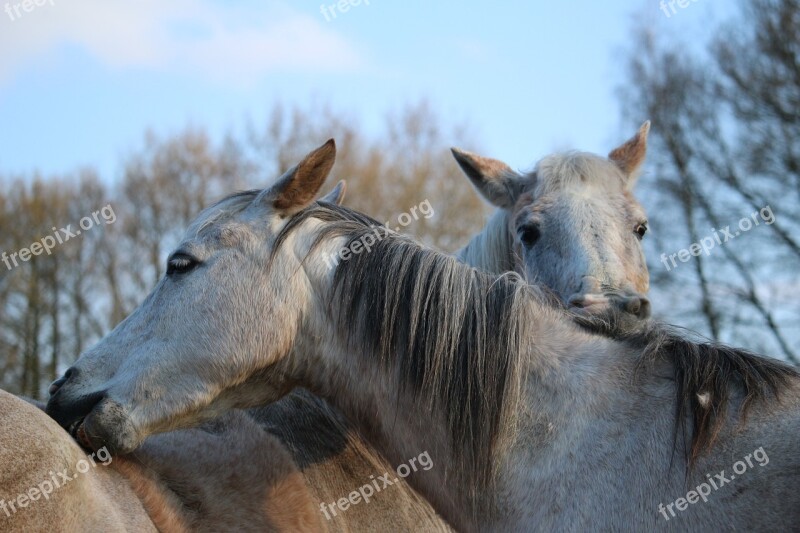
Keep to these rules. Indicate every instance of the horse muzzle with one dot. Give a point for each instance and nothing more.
(94, 420)
(594, 304)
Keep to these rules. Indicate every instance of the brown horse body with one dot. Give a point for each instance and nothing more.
(267, 469)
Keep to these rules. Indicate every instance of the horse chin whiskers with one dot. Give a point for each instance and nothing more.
(78, 433)
(75, 429)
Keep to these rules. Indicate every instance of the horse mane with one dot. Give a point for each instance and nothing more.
(452, 336)
(448, 333)
(492, 249)
(707, 375)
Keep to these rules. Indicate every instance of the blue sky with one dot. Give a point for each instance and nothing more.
(81, 81)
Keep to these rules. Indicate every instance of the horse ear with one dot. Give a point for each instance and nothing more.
(298, 187)
(630, 156)
(336, 196)
(495, 180)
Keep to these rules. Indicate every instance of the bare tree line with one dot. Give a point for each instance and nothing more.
(726, 144)
(725, 136)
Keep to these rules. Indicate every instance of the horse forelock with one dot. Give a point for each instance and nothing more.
(575, 171)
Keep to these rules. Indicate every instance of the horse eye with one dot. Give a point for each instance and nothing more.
(181, 264)
(529, 234)
(641, 229)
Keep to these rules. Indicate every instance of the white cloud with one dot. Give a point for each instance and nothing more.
(223, 42)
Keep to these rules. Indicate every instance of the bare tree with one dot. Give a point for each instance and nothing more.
(725, 142)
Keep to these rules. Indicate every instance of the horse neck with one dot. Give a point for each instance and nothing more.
(491, 250)
(394, 425)
(400, 426)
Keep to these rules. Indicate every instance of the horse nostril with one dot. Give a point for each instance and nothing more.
(576, 301)
(57, 384)
(645, 311)
(639, 306)
(54, 386)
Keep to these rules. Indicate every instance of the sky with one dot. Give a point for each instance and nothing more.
(81, 81)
